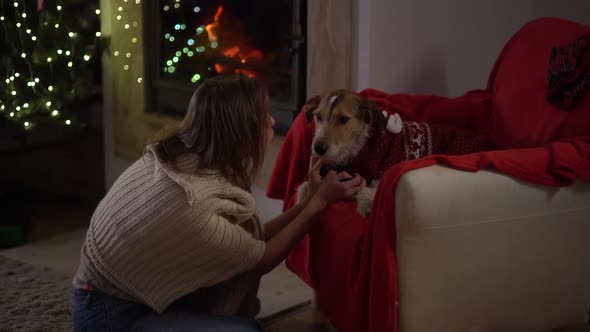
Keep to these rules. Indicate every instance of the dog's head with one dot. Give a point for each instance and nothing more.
(343, 122)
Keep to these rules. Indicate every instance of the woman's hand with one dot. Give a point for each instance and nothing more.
(313, 176)
(337, 187)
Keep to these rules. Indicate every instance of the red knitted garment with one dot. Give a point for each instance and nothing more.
(416, 141)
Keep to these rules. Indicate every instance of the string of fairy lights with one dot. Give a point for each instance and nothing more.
(44, 89)
(133, 27)
(201, 39)
(192, 31)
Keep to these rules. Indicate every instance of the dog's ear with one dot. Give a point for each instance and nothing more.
(373, 115)
(310, 106)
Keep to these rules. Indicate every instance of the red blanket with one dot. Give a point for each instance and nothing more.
(351, 262)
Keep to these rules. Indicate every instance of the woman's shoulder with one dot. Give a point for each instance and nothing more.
(203, 186)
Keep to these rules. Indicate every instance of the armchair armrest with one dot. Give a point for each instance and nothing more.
(485, 251)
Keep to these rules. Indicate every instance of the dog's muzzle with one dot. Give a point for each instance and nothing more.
(320, 148)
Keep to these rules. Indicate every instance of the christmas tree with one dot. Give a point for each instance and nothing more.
(50, 63)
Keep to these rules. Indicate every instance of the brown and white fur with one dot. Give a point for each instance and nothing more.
(343, 123)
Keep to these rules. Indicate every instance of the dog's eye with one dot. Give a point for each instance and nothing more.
(343, 119)
(318, 117)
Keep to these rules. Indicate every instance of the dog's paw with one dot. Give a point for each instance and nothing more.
(364, 201)
(303, 192)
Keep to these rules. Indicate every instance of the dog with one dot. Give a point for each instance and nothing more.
(357, 137)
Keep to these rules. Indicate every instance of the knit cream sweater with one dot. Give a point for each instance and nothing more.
(160, 234)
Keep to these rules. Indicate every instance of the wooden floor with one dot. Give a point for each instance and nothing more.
(305, 319)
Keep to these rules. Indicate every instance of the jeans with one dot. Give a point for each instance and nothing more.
(94, 311)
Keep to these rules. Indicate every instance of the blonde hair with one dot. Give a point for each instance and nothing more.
(225, 125)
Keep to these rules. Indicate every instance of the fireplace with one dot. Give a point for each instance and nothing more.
(192, 40)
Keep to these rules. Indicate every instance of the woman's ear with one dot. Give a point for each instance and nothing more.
(310, 106)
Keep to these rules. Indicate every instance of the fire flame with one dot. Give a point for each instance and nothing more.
(210, 27)
(232, 51)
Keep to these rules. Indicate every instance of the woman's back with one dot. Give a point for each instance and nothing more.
(163, 232)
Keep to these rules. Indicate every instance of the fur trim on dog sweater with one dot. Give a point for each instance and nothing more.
(160, 234)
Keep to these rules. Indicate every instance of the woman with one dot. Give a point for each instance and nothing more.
(176, 243)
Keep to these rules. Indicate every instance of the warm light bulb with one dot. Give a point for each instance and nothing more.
(120, 9)
(48, 104)
(23, 55)
(28, 31)
(15, 4)
(139, 80)
(71, 34)
(56, 25)
(26, 123)
(98, 34)
(58, 7)
(18, 25)
(118, 17)
(33, 38)
(134, 40)
(68, 53)
(26, 105)
(14, 93)
(16, 75)
(68, 122)
(18, 108)
(97, 12)
(197, 9)
(166, 8)
(36, 79)
(59, 51)
(86, 57)
(70, 64)
(116, 53)
(127, 26)
(2, 107)
(126, 67)
(1, 18)
(12, 78)
(50, 88)
(176, 5)
(24, 15)
(128, 55)
(137, 2)
(55, 113)
(11, 114)
(48, 59)
(7, 81)
(135, 23)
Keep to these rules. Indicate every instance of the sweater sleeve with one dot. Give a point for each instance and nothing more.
(233, 247)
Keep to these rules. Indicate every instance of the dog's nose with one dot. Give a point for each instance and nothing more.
(320, 148)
